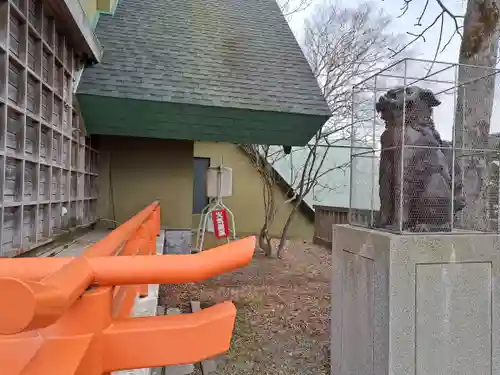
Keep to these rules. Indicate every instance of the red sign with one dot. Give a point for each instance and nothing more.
(221, 227)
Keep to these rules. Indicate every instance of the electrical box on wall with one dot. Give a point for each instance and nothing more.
(219, 182)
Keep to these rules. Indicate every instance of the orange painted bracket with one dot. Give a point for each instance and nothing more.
(60, 356)
(173, 269)
(16, 351)
(31, 305)
(126, 344)
(37, 304)
(113, 241)
(71, 315)
(141, 269)
(124, 300)
(168, 340)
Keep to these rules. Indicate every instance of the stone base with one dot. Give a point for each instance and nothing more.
(423, 304)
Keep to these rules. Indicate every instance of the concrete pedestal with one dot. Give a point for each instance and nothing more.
(414, 304)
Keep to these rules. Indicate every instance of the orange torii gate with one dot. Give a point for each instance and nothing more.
(71, 316)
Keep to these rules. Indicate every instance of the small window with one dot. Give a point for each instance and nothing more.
(200, 199)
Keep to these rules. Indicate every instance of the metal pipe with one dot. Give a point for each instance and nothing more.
(379, 72)
(470, 81)
(451, 64)
(430, 75)
(401, 167)
(415, 78)
(453, 156)
(373, 182)
(351, 159)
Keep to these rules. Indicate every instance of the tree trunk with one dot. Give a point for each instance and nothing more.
(284, 232)
(474, 108)
(265, 242)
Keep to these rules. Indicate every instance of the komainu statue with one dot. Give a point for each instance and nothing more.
(422, 178)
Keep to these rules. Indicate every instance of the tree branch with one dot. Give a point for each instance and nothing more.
(443, 14)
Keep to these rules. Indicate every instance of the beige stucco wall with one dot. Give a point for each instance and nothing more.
(246, 203)
(145, 170)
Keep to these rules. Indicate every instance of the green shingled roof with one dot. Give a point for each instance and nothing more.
(226, 70)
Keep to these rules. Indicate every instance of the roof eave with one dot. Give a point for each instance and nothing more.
(78, 28)
(106, 115)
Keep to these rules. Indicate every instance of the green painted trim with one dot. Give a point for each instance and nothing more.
(142, 118)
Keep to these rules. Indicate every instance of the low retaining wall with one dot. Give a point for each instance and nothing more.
(325, 217)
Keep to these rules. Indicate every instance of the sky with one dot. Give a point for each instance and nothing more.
(422, 49)
(365, 191)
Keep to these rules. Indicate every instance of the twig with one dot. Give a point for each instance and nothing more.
(416, 37)
(421, 35)
(419, 19)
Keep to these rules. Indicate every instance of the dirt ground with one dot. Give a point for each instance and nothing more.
(282, 324)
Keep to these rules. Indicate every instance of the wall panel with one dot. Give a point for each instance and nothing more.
(47, 166)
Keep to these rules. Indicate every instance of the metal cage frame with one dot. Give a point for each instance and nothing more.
(360, 217)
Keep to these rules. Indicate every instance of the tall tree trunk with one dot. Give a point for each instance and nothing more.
(474, 107)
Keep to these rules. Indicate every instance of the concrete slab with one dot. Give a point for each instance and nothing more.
(77, 247)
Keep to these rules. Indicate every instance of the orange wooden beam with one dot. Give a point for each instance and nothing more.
(60, 356)
(156, 269)
(123, 300)
(33, 269)
(77, 334)
(125, 344)
(173, 269)
(109, 246)
(35, 305)
(16, 351)
(168, 340)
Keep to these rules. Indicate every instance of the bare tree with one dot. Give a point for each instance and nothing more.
(343, 46)
(291, 7)
(260, 156)
(478, 29)
(444, 14)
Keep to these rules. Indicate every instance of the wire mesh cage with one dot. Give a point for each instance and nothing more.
(424, 149)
